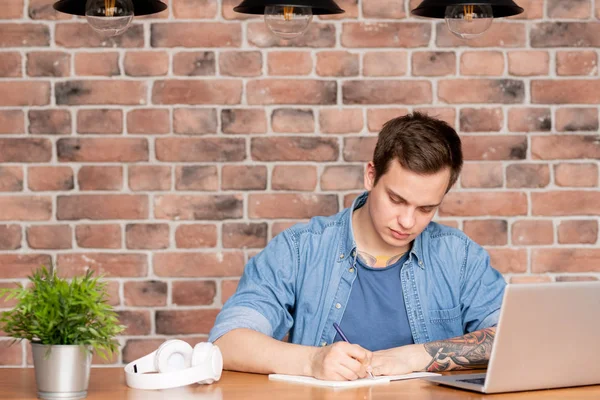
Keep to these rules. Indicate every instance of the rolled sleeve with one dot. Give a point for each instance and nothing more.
(489, 321)
(482, 290)
(265, 295)
(239, 317)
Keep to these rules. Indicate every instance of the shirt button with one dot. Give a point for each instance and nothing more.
(421, 263)
(338, 306)
(353, 253)
(351, 270)
(341, 256)
(323, 344)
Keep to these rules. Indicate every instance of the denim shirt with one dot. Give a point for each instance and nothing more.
(300, 283)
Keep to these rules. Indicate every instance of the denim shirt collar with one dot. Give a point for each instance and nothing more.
(348, 244)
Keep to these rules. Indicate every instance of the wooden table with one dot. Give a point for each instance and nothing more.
(109, 384)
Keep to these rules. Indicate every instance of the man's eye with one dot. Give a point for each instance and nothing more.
(395, 200)
(427, 209)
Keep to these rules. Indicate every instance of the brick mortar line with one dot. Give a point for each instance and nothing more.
(312, 77)
(272, 107)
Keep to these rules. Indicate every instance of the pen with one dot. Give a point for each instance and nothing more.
(339, 331)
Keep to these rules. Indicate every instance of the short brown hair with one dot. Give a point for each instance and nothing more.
(421, 144)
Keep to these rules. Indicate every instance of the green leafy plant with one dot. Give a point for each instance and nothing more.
(55, 311)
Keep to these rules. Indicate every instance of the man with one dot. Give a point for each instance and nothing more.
(409, 294)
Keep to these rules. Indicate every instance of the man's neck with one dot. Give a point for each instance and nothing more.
(373, 251)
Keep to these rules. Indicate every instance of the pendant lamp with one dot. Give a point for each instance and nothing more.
(467, 19)
(288, 18)
(109, 17)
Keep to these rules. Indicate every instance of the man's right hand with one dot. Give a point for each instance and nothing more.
(340, 361)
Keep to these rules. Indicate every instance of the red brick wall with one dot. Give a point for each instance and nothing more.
(167, 157)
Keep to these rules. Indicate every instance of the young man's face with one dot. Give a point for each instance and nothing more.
(402, 202)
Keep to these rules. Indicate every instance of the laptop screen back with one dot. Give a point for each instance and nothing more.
(548, 337)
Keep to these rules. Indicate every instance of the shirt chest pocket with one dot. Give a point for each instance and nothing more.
(446, 323)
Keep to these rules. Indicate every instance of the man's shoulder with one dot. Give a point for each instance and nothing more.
(437, 229)
(318, 225)
(438, 237)
(436, 232)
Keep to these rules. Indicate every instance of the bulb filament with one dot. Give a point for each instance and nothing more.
(288, 13)
(109, 6)
(468, 11)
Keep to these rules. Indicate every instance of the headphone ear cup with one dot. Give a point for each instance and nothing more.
(173, 355)
(201, 353)
(209, 355)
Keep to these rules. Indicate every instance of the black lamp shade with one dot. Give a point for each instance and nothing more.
(319, 7)
(437, 8)
(140, 7)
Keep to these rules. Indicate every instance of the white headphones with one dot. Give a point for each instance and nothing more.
(177, 365)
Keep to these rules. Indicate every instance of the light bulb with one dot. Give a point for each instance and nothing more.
(469, 20)
(288, 22)
(109, 17)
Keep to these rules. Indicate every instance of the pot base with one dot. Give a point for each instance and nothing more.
(62, 395)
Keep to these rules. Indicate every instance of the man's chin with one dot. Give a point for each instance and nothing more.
(399, 237)
(394, 242)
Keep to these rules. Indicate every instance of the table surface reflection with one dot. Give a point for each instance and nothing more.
(109, 384)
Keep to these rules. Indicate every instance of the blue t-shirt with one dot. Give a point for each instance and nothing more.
(375, 317)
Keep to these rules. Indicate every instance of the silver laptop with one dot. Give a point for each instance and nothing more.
(548, 336)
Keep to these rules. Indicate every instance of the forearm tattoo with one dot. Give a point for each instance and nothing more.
(469, 351)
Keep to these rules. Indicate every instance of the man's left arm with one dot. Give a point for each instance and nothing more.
(463, 352)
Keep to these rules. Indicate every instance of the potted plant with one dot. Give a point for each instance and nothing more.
(65, 321)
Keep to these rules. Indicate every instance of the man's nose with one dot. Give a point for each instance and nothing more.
(406, 219)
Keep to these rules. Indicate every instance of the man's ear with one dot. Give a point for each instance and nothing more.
(369, 176)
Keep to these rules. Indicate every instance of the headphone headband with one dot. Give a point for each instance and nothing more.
(206, 372)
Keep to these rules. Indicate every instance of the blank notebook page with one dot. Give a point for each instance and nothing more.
(345, 384)
(307, 380)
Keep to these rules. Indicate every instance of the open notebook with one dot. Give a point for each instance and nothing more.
(307, 380)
